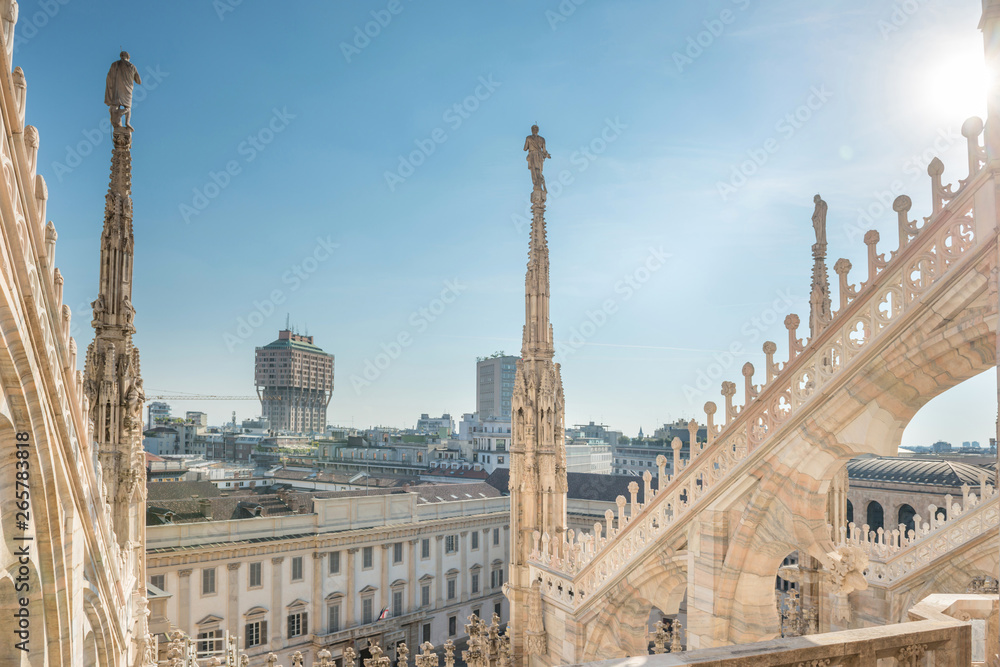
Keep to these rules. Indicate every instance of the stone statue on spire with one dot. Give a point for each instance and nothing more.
(535, 145)
(118, 90)
(819, 220)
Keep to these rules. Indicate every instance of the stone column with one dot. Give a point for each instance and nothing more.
(232, 597)
(438, 571)
(276, 626)
(384, 593)
(184, 600)
(991, 36)
(463, 577)
(317, 593)
(706, 552)
(413, 584)
(349, 592)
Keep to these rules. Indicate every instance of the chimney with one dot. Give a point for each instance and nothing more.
(205, 507)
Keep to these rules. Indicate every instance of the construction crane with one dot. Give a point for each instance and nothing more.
(200, 397)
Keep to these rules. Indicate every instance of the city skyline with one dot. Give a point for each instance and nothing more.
(350, 262)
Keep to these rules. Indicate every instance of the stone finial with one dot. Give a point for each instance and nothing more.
(939, 193)
(771, 369)
(750, 390)
(795, 345)
(906, 227)
(620, 501)
(609, 519)
(729, 390)
(710, 409)
(693, 437)
(349, 656)
(661, 466)
(971, 129)
(847, 291)
(647, 482)
(633, 490)
(876, 262)
(676, 445)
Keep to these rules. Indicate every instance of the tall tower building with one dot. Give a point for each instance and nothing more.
(495, 385)
(294, 380)
(538, 452)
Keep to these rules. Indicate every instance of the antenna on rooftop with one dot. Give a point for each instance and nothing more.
(288, 321)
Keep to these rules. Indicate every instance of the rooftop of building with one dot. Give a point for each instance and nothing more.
(288, 340)
(341, 478)
(911, 470)
(246, 504)
(581, 485)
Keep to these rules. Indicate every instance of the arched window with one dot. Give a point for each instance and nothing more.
(905, 516)
(850, 512)
(876, 516)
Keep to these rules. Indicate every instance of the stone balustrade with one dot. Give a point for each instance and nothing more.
(945, 643)
(580, 563)
(894, 554)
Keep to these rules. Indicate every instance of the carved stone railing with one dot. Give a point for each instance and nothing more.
(944, 642)
(898, 553)
(578, 564)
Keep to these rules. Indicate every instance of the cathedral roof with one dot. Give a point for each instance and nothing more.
(910, 470)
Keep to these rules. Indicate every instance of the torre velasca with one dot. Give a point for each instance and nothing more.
(294, 379)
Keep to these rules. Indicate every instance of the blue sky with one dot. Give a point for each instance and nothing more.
(274, 160)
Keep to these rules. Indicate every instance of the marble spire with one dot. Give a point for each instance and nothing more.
(538, 452)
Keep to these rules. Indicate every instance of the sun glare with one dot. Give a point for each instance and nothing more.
(954, 83)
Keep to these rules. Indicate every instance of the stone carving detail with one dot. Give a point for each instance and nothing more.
(983, 585)
(911, 656)
(535, 643)
(845, 569)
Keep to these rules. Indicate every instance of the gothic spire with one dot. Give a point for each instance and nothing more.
(537, 336)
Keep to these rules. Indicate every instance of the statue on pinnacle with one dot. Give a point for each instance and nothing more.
(819, 220)
(535, 145)
(118, 90)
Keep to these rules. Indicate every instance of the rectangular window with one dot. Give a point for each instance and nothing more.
(496, 536)
(334, 616)
(367, 612)
(334, 562)
(425, 548)
(256, 634)
(397, 553)
(452, 625)
(475, 612)
(208, 581)
(425, 596)
(451, 589)
(367, 558)
(475, 583)
(159, 580)
(496, 608)
(427, 632)
(397, 603)
(297, 568)
(475, 540)
(210, 641)
(496, 578)
(298, 624)
(451, 544)
(256, 579)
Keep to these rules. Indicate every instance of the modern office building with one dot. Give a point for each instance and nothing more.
(157, 411)
(495, 385)
(294, 380)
